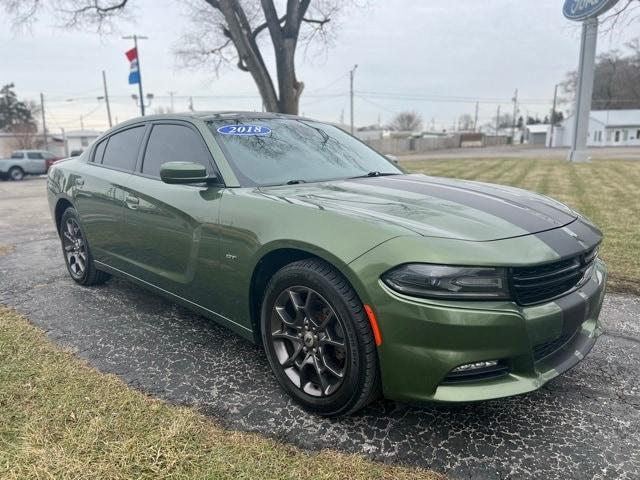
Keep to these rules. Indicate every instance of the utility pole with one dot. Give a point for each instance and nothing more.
(498, 121)
(81, 123)
(106, 97)
(171, 94)
(553, 115)
(191, 104)
(135, 44)
(65, 143)
(44, 123)
(351, 72)
(515, 113)
(475, 121)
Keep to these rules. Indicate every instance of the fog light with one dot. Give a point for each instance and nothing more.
(475, 366)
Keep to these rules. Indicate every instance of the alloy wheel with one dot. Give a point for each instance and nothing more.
(309, 341)
(75, 249)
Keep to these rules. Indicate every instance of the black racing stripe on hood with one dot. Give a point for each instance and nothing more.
(508, 210)
(574, 239)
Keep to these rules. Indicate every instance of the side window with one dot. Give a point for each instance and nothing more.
(174, 143)
(122, 149)
(98, 153)
(34, 155)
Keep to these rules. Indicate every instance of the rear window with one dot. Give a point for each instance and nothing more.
(17, 155)
(34, 155)
(122, 149)
(98, 153)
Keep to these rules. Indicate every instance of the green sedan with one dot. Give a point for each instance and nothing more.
(359, 280)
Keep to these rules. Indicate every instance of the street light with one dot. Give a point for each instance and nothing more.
(145, 105)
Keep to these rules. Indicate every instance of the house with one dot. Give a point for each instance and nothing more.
(537, 134)
(607, 128)
(80, 139)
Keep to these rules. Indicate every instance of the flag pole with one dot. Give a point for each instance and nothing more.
(135, 44)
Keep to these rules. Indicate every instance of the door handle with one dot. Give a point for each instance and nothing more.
(79, 182)
(132, 202)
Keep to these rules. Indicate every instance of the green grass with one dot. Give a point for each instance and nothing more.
(606, 191)
(61, 419)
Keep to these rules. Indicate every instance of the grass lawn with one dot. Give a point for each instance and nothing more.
(606, 191)
(59, 418)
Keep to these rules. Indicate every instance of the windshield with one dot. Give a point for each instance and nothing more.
(277, 151)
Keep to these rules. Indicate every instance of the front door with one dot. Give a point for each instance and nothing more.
(172, 230)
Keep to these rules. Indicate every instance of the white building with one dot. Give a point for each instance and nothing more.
(80, 139)
(607, 128)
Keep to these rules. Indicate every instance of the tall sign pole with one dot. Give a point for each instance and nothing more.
(351, 73)
(586, 12)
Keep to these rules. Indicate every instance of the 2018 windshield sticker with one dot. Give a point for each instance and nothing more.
(258, 130)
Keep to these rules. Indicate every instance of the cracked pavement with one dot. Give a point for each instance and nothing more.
(582, 425)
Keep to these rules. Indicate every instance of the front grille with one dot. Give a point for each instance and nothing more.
(545, 349)
(538, 284)
(487, 373)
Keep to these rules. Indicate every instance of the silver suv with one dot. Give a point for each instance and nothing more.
(26, 162)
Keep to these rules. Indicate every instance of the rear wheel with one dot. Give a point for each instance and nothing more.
(75, 249)
(318, 340)
(16, 173)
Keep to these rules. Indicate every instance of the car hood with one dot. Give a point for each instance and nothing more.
(433, 206)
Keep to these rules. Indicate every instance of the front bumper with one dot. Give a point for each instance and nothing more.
(423, 341)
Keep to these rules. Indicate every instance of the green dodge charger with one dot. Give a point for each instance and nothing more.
(358, 279)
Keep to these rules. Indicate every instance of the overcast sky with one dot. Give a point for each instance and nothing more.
(418, 51)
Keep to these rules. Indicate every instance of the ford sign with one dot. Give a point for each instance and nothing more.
(582, 9)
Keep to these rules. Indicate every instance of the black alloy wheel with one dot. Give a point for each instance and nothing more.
(308, 338)
(318, 339)
(76, 251)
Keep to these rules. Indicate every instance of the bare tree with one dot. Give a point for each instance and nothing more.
(616, 82)
(25, 137)
(406, 121)
(228, 31)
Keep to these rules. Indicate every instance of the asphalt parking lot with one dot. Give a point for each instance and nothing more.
(583, 425)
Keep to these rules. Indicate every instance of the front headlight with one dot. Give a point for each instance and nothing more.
(442, 281)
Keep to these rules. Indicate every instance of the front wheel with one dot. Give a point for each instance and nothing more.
(77, 255)
(318, 340)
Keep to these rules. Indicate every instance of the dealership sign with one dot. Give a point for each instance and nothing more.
(582, 9)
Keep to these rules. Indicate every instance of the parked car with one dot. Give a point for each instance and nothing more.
(357, 278)
(26, 162)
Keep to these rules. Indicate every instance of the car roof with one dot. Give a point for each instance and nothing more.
(210, 115)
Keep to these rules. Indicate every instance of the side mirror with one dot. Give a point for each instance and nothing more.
(392, 158)
(183, 172)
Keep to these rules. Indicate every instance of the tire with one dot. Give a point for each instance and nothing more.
(16, 174)
(76, 252)
(314, 329)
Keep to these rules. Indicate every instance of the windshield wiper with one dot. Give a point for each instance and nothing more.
(295, 182)
(375, 174)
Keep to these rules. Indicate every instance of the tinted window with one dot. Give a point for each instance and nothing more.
(174, 143)
(98, 152)
(17, 155)
(34, 155)
(122, 149)
(286, 150)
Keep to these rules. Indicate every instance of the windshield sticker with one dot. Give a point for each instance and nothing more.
(244, 130)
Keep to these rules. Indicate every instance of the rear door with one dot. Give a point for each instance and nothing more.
(36, 163)
(100, 193)
(172, 230)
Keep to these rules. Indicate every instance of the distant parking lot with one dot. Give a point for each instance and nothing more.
(585, 424)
